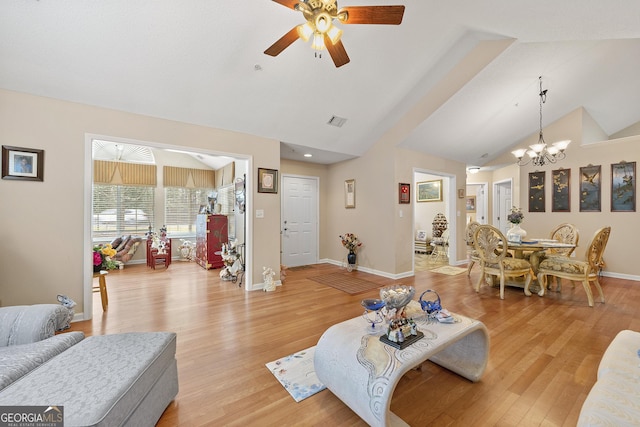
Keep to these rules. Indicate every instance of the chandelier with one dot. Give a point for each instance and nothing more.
(540, 154)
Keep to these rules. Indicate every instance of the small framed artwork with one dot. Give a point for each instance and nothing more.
(536, 192)
(404, 193)
(471, 204)
(350, 193)
(561, 195)
(430, 191)
(623, 187)
(267, 180)
(461, 193)
(590, 189)
(24, 164)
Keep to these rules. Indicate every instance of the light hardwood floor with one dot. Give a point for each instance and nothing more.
(543, 356)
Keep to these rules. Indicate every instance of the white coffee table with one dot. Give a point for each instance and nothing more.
(363, 372)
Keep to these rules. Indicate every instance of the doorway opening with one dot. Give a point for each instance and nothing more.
(426, 208)
(177, 156)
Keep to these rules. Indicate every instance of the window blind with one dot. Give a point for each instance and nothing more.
(121, 209)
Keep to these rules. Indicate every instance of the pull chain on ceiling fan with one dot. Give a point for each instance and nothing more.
(320, 16)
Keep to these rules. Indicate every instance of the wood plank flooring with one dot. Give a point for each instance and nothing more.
(543, 356)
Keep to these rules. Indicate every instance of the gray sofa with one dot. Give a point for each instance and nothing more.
(105, 380)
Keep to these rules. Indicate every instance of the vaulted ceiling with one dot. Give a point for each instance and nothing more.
(462, 75)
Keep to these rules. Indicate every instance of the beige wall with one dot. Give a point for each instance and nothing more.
(44, 225)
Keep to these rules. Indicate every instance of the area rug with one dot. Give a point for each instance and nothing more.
(298, 268)
(346, 282)
(449, 270)
(297, 374)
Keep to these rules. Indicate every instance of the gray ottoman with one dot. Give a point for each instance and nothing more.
(106, 380)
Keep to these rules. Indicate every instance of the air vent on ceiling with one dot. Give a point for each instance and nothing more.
(336, 121)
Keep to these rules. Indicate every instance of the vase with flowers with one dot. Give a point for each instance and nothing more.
(516, 233)
(103, 258)
(351, 242)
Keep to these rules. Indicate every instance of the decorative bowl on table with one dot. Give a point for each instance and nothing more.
(397, 296)
(372, 304)
(374, 326)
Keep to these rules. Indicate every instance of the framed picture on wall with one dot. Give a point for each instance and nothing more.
(24, 164)
(429, 191)
(561, 195)
(471, 204)
(623, 187)
(404, 193)
(590, 189)
(350, 193)
(267, 180)
(536, 192)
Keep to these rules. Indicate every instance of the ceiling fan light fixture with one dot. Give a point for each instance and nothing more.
(334, 34)
(318, 41)
(323, 22)
(320, 16)
(305, 31)
(342, 16)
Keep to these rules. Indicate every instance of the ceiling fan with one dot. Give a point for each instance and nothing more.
(320, 16)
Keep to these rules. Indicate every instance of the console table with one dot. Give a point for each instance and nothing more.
(363, 372)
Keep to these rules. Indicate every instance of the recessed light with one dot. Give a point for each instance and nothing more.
(308, 155)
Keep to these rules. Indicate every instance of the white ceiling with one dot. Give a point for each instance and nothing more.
(462, 76)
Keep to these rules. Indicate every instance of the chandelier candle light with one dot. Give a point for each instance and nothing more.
(540, 154)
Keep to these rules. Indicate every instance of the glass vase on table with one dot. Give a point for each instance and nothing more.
(516, 234)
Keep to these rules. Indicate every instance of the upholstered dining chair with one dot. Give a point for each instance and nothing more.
(488, 241)
(563, 233)
(472, 254)
(585, 271)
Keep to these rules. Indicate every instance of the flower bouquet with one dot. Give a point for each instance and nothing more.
(351, 242)
(516, 216)
(103, 258)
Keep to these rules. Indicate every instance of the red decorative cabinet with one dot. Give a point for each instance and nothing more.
(211, 233)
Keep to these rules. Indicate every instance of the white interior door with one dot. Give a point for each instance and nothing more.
(299, 220)
(503, 198)
(481, 204)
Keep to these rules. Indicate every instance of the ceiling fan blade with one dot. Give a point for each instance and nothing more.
(291, 4)
(337, 52)
(390, 15)
(283, 42)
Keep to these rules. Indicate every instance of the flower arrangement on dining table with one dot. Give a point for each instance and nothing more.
(103, 257)
(350, 241)
(516, 216)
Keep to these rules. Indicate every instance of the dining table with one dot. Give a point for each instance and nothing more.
(535, 249)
